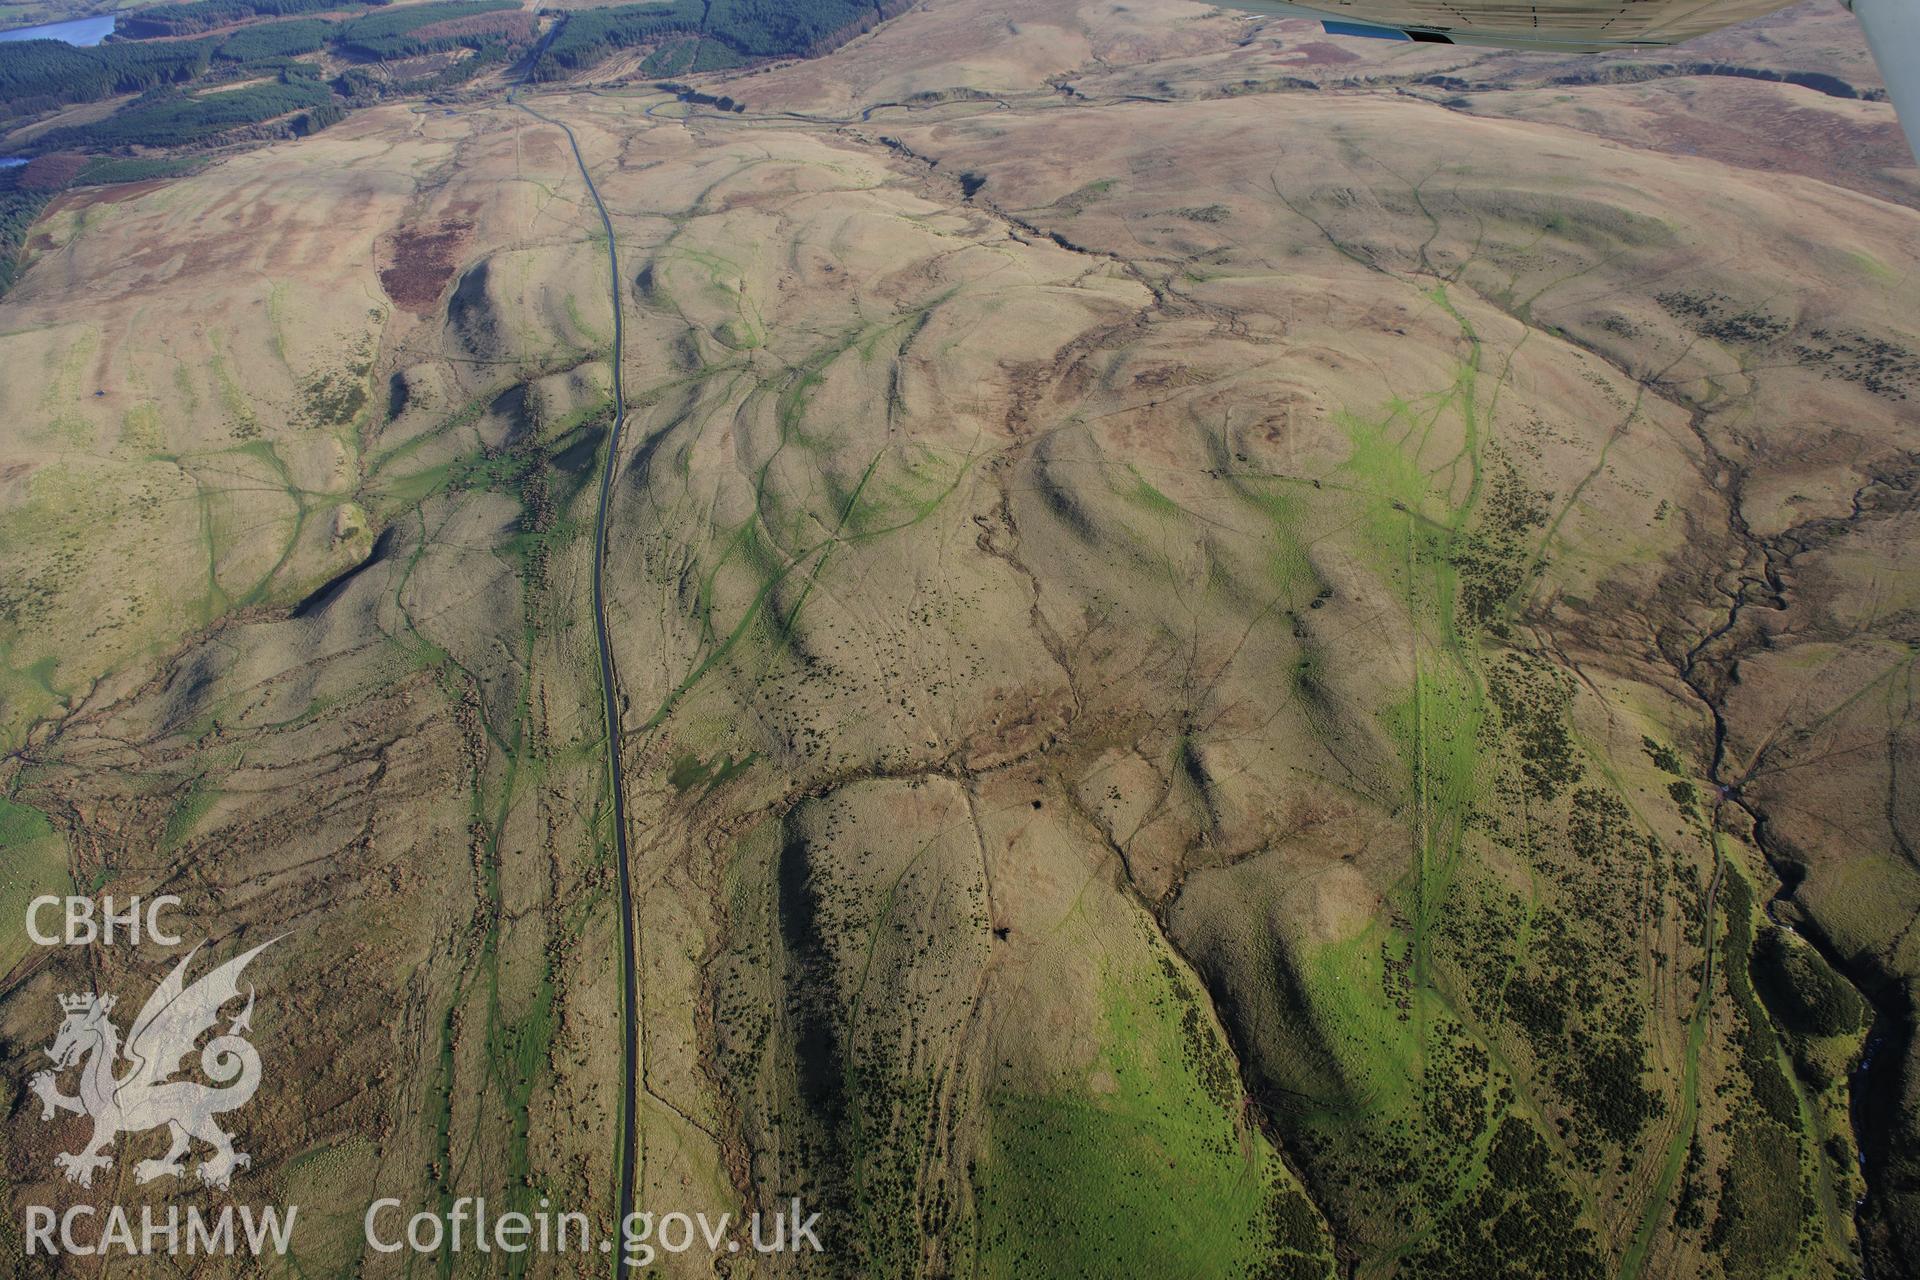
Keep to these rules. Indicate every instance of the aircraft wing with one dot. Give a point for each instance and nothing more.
(1598, 26)
(1893, 33)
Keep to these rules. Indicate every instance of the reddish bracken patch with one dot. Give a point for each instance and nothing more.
(87, 197)
(51, 173)
(514, 26)
(420, 261)
(1317, 53)
(1741, 122)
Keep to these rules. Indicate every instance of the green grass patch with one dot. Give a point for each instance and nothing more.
(33, 861)
(689, 771)
(187, 811)
(1148, 1168)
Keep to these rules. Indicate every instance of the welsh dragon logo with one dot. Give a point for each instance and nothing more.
(145, 1096)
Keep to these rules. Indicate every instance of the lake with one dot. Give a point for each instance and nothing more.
(83, 31)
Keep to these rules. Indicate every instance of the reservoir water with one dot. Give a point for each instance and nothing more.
(81, 31)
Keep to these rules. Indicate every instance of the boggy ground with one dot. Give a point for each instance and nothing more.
(1221, 685)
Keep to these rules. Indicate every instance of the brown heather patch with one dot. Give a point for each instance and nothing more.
(420, 261)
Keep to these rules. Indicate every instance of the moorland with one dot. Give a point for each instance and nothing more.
(1221, 651)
